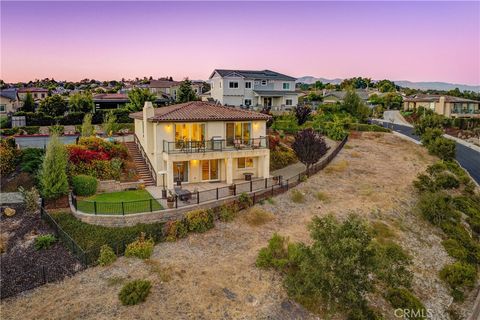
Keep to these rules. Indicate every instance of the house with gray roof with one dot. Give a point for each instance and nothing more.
(9, 102)
(253, 89)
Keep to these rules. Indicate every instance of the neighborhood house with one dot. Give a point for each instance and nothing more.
(253, 89)
(448, 106)
(200, 142)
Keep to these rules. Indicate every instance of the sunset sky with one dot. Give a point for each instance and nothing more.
(417, 41)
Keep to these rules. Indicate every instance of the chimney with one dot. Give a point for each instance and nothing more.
(148, 110)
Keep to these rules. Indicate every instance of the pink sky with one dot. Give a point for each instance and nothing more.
(417, 41)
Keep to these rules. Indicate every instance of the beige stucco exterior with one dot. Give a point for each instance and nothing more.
(8, 105)
(157, 138)
(450, 109)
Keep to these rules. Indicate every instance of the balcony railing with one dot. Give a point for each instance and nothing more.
(212, 145)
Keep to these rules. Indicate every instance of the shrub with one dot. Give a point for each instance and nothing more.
(141, 248)
(281, 158)
(430, 135)
(443, 148)
(257, 216)
(424, 183)
(134, 292)
(84, 185)
(459, 276)
(199, 220)
(275, 255)
(437, 208)
(92, 237)
(227, 212)
(31, 159)
(245, 200)
(44, 241)
(401, 298)
(297, 196)
(53, 174)
(335, 131)
(8, 157)
(446, 181)
(176, 230)
(87, 129)
(31, 199)
(322, 196)
(107, 256)
(455, 249)
(392, 265)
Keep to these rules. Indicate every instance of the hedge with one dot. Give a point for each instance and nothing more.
(367, 127)
(84, 185)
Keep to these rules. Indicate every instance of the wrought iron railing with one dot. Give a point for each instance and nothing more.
(191, 146)
(151, 168)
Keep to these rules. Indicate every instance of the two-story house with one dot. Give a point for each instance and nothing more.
(38, 94)
(253, 88)
(198, 142)
(448, 106)
(170, 88)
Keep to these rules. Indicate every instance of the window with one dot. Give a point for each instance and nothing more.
(35, 95)
(286, 86)
(264, 82)
(257, 82)
(246, 162)
(248, 85)
(288, 102)
(43, 95)
(233, 84)
(212, 85)
(248, 102)
(3, 107)
(238, 131)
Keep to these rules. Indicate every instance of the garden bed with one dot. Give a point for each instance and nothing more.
(23, 267)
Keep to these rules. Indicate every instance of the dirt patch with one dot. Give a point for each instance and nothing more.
(213, 275)
(23, 267)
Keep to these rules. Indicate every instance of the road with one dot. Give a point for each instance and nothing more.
(468, 158)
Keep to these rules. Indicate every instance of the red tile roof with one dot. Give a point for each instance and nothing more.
(200, 111)
(110, 96)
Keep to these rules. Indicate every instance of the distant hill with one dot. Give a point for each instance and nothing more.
(402, 83)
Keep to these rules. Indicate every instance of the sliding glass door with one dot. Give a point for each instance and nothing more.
(210, 170)
(238, 131)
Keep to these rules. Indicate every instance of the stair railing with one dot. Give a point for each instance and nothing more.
(151, 168)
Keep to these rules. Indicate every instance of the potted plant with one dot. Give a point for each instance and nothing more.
(170, 200)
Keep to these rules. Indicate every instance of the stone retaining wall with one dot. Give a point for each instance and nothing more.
(114, 185)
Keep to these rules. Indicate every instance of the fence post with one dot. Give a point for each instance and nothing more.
(217, 193)
(266, 183)
(251, 185)
(44, 275)
(95, 206)
(272, 190)
(198, 196)
(234, 189)
(176, 201)
(151, 205)
(123, 209)
(254, 198)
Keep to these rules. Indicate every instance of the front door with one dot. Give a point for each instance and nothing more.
(209, 170)
(267, 101)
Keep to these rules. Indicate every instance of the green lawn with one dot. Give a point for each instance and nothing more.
(133, 201)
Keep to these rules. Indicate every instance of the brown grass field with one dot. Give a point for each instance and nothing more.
(213, 275)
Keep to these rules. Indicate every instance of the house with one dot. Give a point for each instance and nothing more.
(38, 94)
(170, 88)
(199, 142)
(8, 101)
(253, 88)
(332, 97)
(118, 100)
(448, 106)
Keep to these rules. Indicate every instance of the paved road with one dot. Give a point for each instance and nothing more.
(468, 158)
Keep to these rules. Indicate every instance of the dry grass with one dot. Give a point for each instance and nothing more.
(355, 154)
(322, 196)
(116, 281)
(3, 242)
(257, 216)
(164, 273)
(297, 196)
(213, 274)
(382, 231)
(338, 166)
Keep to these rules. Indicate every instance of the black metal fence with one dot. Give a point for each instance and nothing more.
(190, 198)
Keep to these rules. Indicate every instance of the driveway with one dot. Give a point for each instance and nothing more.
(468, 158)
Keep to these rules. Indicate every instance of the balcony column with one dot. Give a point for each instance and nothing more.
(229, 170)
(169, 174)
(265, 167)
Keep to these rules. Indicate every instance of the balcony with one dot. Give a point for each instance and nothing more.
(214, 145)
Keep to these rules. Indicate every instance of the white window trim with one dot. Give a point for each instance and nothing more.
(232, 81)
(264, 84)
(250, 82)
(245, 161)
(288, 85)
(245, 102)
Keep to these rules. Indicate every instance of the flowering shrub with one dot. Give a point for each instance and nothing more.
(78, 153)
(8, 156)
(112, 149)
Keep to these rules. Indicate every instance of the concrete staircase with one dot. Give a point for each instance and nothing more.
(142, 167)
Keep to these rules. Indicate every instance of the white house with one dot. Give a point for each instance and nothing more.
(198, 141)
(253, 88)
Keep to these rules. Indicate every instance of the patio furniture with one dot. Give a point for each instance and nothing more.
(238, 144)
(183, 194)
(248, 176)
(256, 143)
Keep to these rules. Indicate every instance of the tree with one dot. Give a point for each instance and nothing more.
(87, 127)
(386, 86)
(185, 92)
(138, 97)
(81, 102)
(28, 103)
(267, 110)
(53, 106)
(53, 173)
(355, 106)
(109, 125)
(309, 146)
(302, 112)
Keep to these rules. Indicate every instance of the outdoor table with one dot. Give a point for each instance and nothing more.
(248, 176)
(183, 194)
